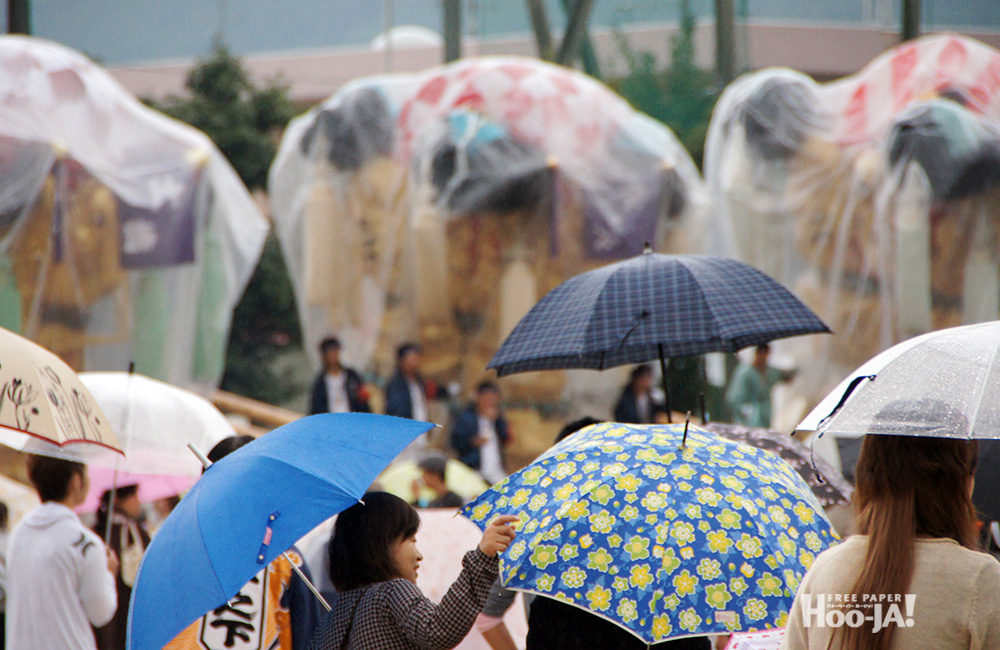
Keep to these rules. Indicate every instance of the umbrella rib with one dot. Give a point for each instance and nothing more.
(982, 389)
(333, 482)
(201, 540)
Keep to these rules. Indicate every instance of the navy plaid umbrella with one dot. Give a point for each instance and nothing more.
(653, 306)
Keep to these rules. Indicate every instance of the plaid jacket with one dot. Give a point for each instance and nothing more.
(395, 615)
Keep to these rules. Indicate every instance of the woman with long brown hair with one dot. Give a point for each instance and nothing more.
(914, 576)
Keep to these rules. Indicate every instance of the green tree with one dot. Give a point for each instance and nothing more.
(681, 95)
(265, 329)
(246, 122)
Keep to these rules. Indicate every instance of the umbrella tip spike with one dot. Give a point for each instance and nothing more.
(687, 423)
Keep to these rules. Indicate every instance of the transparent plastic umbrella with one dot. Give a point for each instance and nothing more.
(956, 370)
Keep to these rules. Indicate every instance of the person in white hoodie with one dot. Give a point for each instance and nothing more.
(60, 576)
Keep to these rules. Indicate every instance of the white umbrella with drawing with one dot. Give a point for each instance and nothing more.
(154, 421)
(44, 404)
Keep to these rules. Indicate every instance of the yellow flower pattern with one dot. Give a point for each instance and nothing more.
(619, 519)
(599, 598)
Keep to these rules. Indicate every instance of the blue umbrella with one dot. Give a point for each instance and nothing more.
(252, 506)
(663, 537)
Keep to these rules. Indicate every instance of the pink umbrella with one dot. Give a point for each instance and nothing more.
(152, 487)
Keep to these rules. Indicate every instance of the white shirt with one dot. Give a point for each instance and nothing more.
(336, 392)
(490, 461)
(418, 411)
(418, 400)
(58, 583)
(642, 406)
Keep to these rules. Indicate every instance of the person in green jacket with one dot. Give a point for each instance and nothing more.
(749, 392)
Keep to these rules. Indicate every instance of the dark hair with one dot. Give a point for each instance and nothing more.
(51, 476)
(405, 349)
(360, 549)
(763, 347)
(435, 464)
(227, 446)
(3, 516)
(575, 426)
(329, 343)
(487, 387)
(122, 492)
(640, 371)
(909, 486)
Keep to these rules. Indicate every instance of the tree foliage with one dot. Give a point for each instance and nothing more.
(245, 122)
(265, 327)
(681, 95)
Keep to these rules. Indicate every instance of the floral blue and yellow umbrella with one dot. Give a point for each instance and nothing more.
(665, 540)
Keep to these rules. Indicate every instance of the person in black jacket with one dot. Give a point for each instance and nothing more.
(481, 432)
(406, 392)
(636, 406)
(337, 389)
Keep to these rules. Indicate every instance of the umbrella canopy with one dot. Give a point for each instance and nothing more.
(154, 422)
(653, 306)
(956, 369)
(663, 539)
(829, 486)
(43, 402)
(151, 486)
(250, 507)
(443, 540)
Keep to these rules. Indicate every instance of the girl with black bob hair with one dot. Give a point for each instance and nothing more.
(361, 546)
(374, 563)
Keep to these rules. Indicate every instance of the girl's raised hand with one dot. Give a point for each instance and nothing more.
(498, 535)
